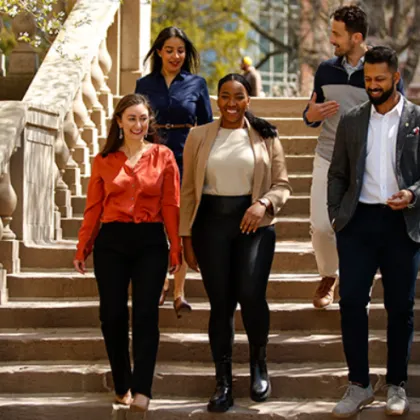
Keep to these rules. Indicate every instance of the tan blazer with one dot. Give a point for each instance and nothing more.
(270, 173)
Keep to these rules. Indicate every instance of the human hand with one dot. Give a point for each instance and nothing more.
(174, 268)
(400, 200)
(79, 266)
(189, 254)
(320, 111)
(252, 217)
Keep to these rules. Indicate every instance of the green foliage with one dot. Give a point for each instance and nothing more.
(7, 39)
(219, 35)
(47, 21)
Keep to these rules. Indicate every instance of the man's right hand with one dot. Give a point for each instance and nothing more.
(318, 112)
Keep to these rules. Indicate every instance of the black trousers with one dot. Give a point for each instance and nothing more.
(136, 252)
(376, 237)
(235, 268)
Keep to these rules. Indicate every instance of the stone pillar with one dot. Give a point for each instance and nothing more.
(24, 59)
(33, 171)
(113, 42)
(135, 41)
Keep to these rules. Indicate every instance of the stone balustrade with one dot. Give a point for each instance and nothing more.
(47, 147)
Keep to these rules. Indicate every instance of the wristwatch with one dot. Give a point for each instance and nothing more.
(265, 202)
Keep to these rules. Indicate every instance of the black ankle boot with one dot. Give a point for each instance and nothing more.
(222, 399)
(260, 381)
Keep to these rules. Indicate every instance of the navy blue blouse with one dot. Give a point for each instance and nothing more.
(186, 101)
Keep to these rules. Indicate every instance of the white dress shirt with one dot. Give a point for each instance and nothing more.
(230, 166)
(380, 180)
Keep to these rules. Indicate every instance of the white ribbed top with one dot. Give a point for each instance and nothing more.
(230, 167)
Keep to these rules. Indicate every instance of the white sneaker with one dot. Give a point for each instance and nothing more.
(354, 399)
(396, 402)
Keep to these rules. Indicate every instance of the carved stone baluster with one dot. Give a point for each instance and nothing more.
(9, 247)
(8, 201)
(62, 192)
(94, 107)
(105, 63)
(99, 114)
(78, 153)
(84, 123)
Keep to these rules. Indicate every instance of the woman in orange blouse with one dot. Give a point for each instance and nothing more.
(134, 192)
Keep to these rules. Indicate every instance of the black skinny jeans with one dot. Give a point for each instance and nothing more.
(235, 268)
(136, 252)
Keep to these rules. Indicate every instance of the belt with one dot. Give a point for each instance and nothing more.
(169, 126)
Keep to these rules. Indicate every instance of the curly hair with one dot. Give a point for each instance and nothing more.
(354, 18)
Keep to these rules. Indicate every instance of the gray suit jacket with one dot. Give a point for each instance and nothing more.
(347, 168)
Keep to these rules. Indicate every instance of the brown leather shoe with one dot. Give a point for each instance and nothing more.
(324, 294)
(125, 399)
(140, 403)
(181, 306)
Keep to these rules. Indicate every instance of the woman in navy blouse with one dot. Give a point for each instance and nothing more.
(180, 100)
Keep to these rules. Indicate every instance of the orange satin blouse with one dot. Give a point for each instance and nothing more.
(149, 191)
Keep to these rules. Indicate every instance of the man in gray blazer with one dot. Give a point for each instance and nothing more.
(374, 208)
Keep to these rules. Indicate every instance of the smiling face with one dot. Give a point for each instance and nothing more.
(233, 100)
(380, 82)
(173, 55)
(343, 41)
(134, 122)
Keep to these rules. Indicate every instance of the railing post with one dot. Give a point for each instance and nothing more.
(23, 59)
(135, 41)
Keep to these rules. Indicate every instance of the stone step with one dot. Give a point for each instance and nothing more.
(299, 146)
(71, 285)
(84, 314)
(293, 127)
(175, 379)
(66, 344)
(90, 406)
(301, 183)
(290, 256)
(296, 205)
(288, 228)
(298, 164)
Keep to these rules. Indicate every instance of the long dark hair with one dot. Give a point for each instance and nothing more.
(113, 141)
(261, 126)
(192, 57)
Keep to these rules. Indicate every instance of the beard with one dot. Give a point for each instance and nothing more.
(379, 100)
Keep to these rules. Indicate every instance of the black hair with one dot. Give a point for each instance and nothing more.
(261, 126)
(382, 54)
(354, 18)
(192, 57)
(114, 141)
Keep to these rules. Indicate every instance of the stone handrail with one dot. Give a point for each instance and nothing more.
(40, 134)
(48, 139)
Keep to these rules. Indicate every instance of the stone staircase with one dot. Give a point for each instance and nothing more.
(54, 363)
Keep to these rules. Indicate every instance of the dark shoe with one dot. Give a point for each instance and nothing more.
(324, 294)
(181, 306)
(222, 398)
(260, 381)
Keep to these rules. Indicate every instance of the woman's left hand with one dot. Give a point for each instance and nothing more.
(174, 268)
(252, 218)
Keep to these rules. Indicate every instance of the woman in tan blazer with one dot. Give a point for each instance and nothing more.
(234, 185)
